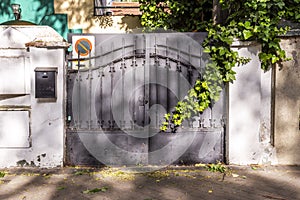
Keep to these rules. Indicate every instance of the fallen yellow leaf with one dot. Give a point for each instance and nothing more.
(200, 165)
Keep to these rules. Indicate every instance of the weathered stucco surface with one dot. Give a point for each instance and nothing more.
(31, 129)
(249, 114)
(287, 104)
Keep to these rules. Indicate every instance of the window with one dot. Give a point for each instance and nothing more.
(116, 7)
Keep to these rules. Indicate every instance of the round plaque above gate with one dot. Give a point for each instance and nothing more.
(83, 47)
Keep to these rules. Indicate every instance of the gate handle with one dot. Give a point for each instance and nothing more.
(142, 100)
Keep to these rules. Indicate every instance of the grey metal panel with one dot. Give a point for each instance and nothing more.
(76, 152)
(164, 148)
(95, 147)
(186, 147)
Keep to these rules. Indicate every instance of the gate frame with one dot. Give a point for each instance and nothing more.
(224, 148)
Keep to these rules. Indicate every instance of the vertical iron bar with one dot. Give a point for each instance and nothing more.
(134, 65)
(189, 73)
(154, 95)
(191, 125)
(178, 68)
(112, 86)
(79, 92)
(90, 92)
(157, 124)
(147, 78)
(101, 121)
(163, 91)
(168, 66)
(123, 66)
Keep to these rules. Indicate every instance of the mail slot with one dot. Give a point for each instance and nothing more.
(45, 82)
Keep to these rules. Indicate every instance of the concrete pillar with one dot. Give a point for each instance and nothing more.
(249, 116)
(287, 103)
(31, 129)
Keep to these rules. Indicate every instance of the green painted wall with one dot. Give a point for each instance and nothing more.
(40, 12)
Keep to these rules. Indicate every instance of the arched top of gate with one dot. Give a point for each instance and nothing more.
(183, 48)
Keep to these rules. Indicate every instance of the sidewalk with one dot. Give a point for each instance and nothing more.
(182, 183)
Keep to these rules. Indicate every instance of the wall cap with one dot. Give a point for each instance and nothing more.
(240, 43)
(37, 36)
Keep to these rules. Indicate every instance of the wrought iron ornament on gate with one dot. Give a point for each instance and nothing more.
(119, 91)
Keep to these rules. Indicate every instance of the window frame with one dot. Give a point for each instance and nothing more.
(116, 8)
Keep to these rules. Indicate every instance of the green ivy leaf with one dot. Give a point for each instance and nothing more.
(247, 20)
(247, 34)
(247, 25)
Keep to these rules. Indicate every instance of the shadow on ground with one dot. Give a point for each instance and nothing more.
(186, 183)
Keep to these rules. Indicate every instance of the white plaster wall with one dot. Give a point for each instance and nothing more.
(46, 117)
(249, 116)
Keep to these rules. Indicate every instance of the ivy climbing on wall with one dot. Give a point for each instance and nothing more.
(245, 20)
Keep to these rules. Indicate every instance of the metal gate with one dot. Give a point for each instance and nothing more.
(117, 97)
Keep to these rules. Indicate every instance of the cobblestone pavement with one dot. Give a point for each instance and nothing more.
(174, 183)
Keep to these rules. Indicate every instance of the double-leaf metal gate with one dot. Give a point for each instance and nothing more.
(118, 95)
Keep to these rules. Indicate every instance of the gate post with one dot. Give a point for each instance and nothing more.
(287, 102)
(249, 115)
(32, 95)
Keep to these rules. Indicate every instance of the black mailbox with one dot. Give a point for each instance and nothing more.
(45, 82)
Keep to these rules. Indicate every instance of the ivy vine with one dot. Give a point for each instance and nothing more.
(246, 20)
